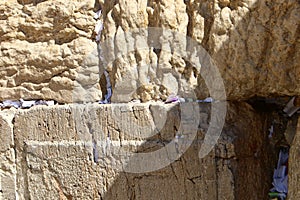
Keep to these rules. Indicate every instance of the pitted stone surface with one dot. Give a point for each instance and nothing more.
(48, 50)
(43, 46)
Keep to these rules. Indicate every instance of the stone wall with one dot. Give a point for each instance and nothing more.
(48, 51)
(47, 45)
(43, 44)
(48, 153)
(294, 166)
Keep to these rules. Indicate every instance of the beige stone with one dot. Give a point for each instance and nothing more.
(253, 56)
(251, 59)
(45, 44)
(54, 148)
(48, 52)
(7, 157)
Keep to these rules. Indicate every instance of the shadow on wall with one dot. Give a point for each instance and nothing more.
(34, 2)
(239, 167)
(256, 51)
(241, 164)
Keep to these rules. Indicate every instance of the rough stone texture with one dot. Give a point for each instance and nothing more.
(55, 157)
(43, 46)
(294, 178)
(7, 157)
(47, 45)
(48, 52)
(255, 44)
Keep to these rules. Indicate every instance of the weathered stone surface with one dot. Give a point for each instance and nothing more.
(43, 46)
(56, 153)
(7, 157)
(253, 43)
(256, 47)
(48, 52)
(46, 46)
(294, 177)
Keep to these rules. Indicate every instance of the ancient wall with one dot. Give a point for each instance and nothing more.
(47, 45)
(48, 153)
(80, 151)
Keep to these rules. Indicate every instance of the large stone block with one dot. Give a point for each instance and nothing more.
(7, 157)
(255, 51)
(66, 152)
(44, 44)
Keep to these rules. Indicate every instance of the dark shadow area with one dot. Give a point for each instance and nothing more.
(103, 86)
(34, 2)
(266, 105)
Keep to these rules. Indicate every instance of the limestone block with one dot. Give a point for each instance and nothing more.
(84, 151)
(246, 41)
(7, 157)
(48, 50)
(44, 45)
